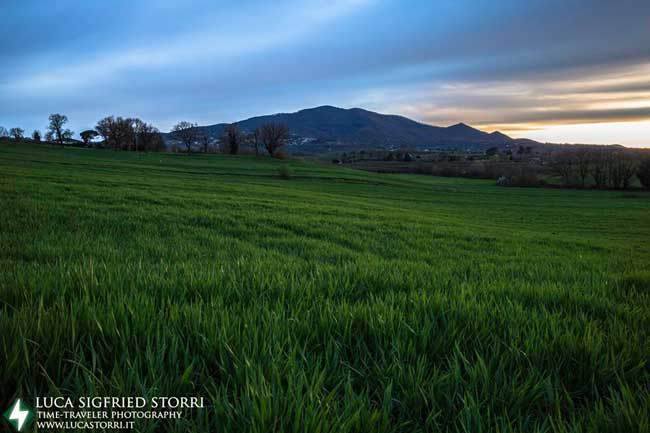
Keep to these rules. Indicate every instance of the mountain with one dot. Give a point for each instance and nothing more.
(328, 128)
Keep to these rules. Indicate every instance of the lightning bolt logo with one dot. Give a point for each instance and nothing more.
(18, 414)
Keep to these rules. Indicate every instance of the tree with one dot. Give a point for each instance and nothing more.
(138, 134)
(88, 135)
(155, 142)
(643, 173)
(204, 140)
(108, 129)
(147, 137)
(599, 167)
(232, 139)
(3, 132)
(563, 165)
(126, 133)
(105, 128)
(17, 133)
(273, 136)
(186, 133)
(583, 163)
(36, 136)
(622, 169)
(255, 138)
(118, 132)
(56, 129)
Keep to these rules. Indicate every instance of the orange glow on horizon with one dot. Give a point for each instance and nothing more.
(624, 133)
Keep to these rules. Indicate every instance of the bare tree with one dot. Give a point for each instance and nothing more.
(582, 159)
(36, 136)
(107, 129)
(126, 129)
(255, 138)
(232, 138)
(186, 133)
(155, 142)
(562, 164)
(147, 137)
(118, 132)
(622, 169)
(599, 167)
(3, 132)
(204, 140)
(273, 136)
(139, 131)
(57, 130)
(17, 133)
(88, 135)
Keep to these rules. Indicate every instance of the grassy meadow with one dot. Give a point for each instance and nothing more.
(333, 301)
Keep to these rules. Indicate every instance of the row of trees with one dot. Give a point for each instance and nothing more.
(56, 131)
(117, 133)
(15, 133)
(121, 133)
(19, 134)
(269, 136)
(605, 167)
(126, 133)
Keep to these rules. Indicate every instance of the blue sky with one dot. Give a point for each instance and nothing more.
(568, 71)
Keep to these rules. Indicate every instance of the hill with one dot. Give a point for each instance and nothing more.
(328, 128)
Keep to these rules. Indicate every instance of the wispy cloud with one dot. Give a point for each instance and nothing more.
(253, 33)
(613, 95)
(510, 65)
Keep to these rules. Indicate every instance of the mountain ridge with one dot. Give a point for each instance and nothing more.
(329, 128)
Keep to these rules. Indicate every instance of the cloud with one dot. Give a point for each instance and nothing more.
(613, 94)
(197, 48)
(507, 64)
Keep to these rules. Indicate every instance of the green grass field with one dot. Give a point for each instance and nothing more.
(335, 301)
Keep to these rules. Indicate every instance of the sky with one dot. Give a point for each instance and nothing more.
(550, 70)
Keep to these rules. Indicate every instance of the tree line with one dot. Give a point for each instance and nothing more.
(56, 131)
(597, 166)
(269, 137)
(133, 134)
(125, 133)
(605, 167)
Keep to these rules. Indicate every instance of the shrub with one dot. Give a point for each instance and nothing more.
(521, 180)
(284, 172)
